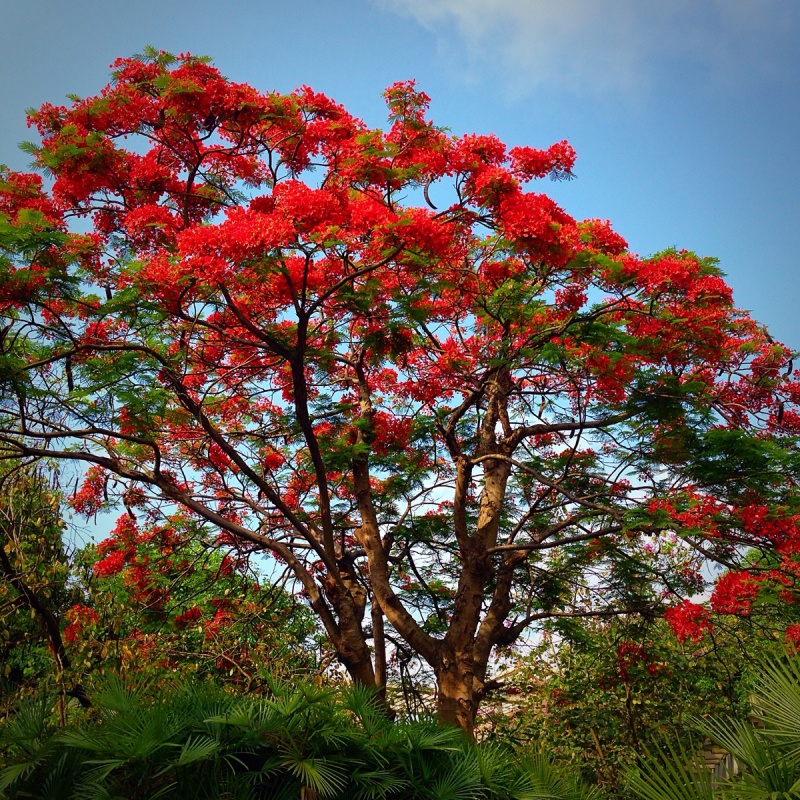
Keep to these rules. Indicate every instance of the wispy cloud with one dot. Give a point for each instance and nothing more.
(609, 45)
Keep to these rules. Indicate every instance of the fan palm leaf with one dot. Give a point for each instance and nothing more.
(672, 774)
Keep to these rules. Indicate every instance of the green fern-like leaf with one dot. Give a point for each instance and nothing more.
(197, 749)
(672, 774)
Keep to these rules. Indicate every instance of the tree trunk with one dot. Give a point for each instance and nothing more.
(456, 702)
(351, 643)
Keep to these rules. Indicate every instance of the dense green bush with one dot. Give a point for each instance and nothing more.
(602, 695)
(766, 748)
(198, 741)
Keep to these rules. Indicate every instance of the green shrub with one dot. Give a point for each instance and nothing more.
(200, 742)
(766, 749)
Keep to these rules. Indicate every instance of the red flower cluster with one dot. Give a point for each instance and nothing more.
(688, 621)
(90, 497)
(734, 593)
(793, 637)
(558, 161)
(112, 564)
(629, 654)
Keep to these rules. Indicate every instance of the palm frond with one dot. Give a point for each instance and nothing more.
(671, 774)
(324, 776)
(16, 772)
(541, 779)
(461, 781)
(197, 749)
(777, 690)
(737, 737)
(30, 724)
(423, 736)
(377, 784)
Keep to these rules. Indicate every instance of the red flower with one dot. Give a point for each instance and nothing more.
(734, 593)
(188, 617)
(793, 637)
(688, 621)
(112, 564)
(90, 497)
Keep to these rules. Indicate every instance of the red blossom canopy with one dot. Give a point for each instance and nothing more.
(448, 407)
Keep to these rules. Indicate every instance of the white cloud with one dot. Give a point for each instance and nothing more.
(608, 45)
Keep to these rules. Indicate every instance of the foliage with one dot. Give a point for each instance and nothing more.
(450, 421)
(35, 580)
(198, 741)
(198, 619)
(174, 604)
(766, 749)
(170, 604)
(607, 696)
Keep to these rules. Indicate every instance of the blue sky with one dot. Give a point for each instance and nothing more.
(685, 114)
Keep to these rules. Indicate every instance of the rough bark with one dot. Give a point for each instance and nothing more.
(456, 698)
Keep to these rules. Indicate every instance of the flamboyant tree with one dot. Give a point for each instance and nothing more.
(449, 409)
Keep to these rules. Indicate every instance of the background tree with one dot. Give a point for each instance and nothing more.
(164, 601)
(449, 420)
(607, 695)
(160, 602)
(35, 587)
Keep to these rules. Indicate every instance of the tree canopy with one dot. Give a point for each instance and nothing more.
(446, 407)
